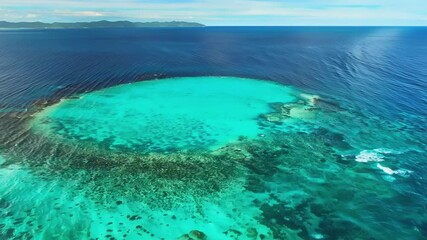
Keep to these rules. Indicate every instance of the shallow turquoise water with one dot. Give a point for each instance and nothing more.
(182, 113)
(234, 158)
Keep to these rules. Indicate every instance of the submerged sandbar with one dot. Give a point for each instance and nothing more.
(167, 114)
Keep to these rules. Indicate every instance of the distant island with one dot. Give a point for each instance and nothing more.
(98, 24)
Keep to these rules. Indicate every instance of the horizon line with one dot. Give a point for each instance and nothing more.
(159, 21)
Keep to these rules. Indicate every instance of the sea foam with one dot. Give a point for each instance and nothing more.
(400, 172)
(370, 156)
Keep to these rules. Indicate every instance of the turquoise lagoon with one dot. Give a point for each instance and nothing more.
(207, 157)
(182, 113)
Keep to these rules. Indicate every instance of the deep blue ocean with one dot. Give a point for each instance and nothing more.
(377, 73)
(383, 69)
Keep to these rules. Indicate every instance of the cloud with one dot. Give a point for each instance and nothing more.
(225, 12)
(68, 13)
(369, 6)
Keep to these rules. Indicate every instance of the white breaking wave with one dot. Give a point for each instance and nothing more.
(377, 155)
(386, 169)
(390, 171)
(370, 156)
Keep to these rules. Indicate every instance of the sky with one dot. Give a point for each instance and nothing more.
(223, 12)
